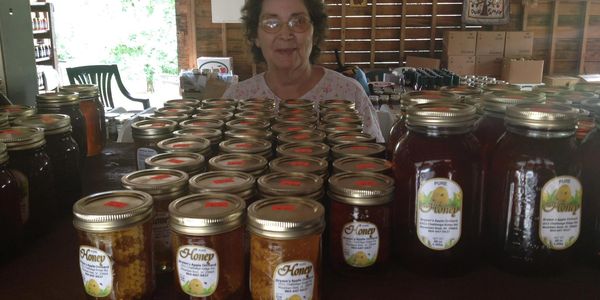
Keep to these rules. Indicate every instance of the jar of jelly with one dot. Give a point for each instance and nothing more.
(146, 134)
(247, 146)
(188, 162)
(362, 164)
(437, 208)
(349, 138)
(183, 102)
(93, 111)
(15, 111)
(300, 164)
(252, 164)
(305, 185)
(285, 248)
(193, 144)
(319, 150)
(66, 103)
(358, 149)
(213, 135)
(208, 241)
(64, 155)
(360, 224)
(238, 183)
(202, 123)
(13, 188)
(115, 244)
(301, 136)
(533, 204)
(248, 134)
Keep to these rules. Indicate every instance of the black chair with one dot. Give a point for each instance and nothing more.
(102, 75)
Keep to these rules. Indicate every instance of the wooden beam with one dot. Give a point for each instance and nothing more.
(552, 47)
(373, 31)
(224, 38)
(193, 50)
(525, 17)
(403, 31)
(433, 27)
(583, 46)
(343, 34)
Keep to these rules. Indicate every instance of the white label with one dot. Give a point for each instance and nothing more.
(161, 231)
(439, 213)
(294, 280)
(198, 270)
(360, 243)
(142, 154)
(96, 271)
(560, 212)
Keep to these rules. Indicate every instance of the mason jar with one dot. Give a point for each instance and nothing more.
(146, 134)
(232, 182)
(188, 162)
(303, 185)
(15, 111)
(93, 112)
(358, 149)
(253, 164)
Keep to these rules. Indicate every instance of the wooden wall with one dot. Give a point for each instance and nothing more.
(567, 33)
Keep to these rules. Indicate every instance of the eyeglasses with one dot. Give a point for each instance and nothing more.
(298, 24)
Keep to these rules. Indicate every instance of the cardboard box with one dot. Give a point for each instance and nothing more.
(422, 62)
(522, 71)
(223, 65)
(518, 44)
(488, 65)
(490, 43)
(460, 64)
(460, 42)
(561, 81)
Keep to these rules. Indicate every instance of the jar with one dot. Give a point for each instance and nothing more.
(533, 203)
(285, 248)
(247, 124)
(214, 136)
(305, 185)
(284, 128)
(297, 103)
(93, 112)
(252, 164)
(15, 111)
(27, 150)
(362, 164)
(66, 103)
(191, 163)
(247, 146)
(305, 136)
(358, 149)
(437, 208)
(205, 229)
(320, 150)
(214, 115)
(183, 102)
(349, 138)
(300, 164)
(63, 152)
(178, 118)
(238, 183)
(164, 186)
(115, 244)
(590, 229)
(360, 225)
(174, 111)
(248, 134)
(13, 188)
(185, 144)
(4, 120)
(202, 124)
(146, 134)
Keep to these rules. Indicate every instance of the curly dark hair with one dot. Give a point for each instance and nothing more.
(316, 10)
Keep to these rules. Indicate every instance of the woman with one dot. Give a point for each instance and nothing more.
(286, 35)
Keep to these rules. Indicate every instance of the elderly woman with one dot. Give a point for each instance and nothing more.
(285, 34)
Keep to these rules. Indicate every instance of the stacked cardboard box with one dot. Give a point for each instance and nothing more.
(459, 51)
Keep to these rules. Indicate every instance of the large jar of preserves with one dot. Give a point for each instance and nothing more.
(437, 208)
(115, 244)
(191, 163)
(285, 248)
(238, 183)
(208, 246)
(164, 186)
(533, 200)
(146, 134)
(14, 194)
(93, 111)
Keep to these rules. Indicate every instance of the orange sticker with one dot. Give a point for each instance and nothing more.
(222, 181)
(287, 207)
(175, 161)
(303, 150)
(299, 164)
(216, 204)
(182, 145)
(160, 177)
(366, 183)
(236, 162)
(288, 182)
(116, 204)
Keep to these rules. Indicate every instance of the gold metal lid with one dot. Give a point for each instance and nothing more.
(202, 123)
(174, 117)
(285, 218)
(22, 138)
(183, 102)
(237, 162)
(219, 101)
(550, 90)
(250, 124)
(296, 119)
(577, 96)
(295, 103)
(427, 96)
(349, 138)
(542, 116)
(342, 120)
(17, 111)
(188, 162)
(112, 210)
(217, 108)
(337, 128)
(255, 115)
(84, 90)
(282, 127)
(217, 115)
(498, 101)
(441, 115)
(257, 146)
(462, 91)
(299, 164)
(315, 136)
(59, 99)
(249, 134)
(362, 164)
(357, 150)
(213, 135)
(289, 184)
(3, 153)
(153, 127)
(206, 214)
(174, 110)
(362, 188)
(51, 123)
(232, 182)
(264, 101)
(500, 87)
(328, 103)
(303, 149)
(337, 110)
(185, 144)
(156, 181)
(347, 114)
(297, 111)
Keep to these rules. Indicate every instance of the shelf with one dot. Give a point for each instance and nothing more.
(42, 59)
(42, 33)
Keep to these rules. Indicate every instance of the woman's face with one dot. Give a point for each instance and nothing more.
(287, 48)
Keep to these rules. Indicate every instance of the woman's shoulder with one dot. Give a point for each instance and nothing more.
(249, 88)
(341, 79)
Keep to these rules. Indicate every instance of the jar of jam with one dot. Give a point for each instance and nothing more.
(257, 146)
(358, 149)
(319, 150)
(300, 164)
(437, 208)
(285, 248)
(64, 155)
(283, 128)
(188, 162)
(66, 103)
(93, 112)
(533, 203)
(146, 134)
(248, 134)
(115, 244)
(214, 136)
(238, 183)
(305, 185)
(362, 164)
(349, 138)
(252, 164)
(183, 102)
(250, 124)
(193, 144)
(360, 224)
(306, 136)
(205, 229)
(202, 124)
(15, 111)
(13, 188)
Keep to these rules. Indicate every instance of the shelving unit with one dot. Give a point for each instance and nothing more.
(42, 18)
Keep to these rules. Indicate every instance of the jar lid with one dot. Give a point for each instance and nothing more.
(206, 214)
(16, 111)
(222, 181)
(295, 103)
(156, 181)
(21, 138)
(358, 149)
(184, 161)
(501, 87)
(255, 115)
(285, 218)
(238, 162)
(174, 110)
(542, 116)
(337, 128)
(202, 123)
(296, 119)
(219, 101)
(303, 149)
(441, 115)
(577, 96)
(183, 102)
(349, 138)
(185, 144)
(289, 184)
(62, 98)
(499, 101)
(299, 164)
(216, 115)
(342, 120)
(153, 127)
(211, 134)
(112, 210)
(84, 90)
(362, 164)
(217, 108)
(248, 123)
(174, 117)
(263, 101)
(3, 153)
(282, 127)
(362, 188)
(302, 136)
(462, 90)
(592, 105)
(249, 134)
(551, 90)
(245, 146)
(336, 103)
(51, 123)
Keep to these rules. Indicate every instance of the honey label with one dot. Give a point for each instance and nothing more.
(96, 271)
(360, 243)
(198, 270)
(142, 154)
(560, 212)
(439, 213)
(293, 280)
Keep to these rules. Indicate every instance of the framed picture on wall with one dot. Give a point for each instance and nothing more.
(486, 12)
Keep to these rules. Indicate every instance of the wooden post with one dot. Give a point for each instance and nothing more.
(403, 31)
(224, 39)
(186, 33)
(525, 17)
(433, 28)
(343, 34)
(551, 63)
(583, 45)
(373, 31)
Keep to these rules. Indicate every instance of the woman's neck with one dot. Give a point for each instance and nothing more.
(288, 84)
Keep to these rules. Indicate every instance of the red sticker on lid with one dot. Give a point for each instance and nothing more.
(303, 150)
(46, 119)
(13, 109)
(182, 145)
(287, 207)
(236, 162)
(217, 204)
(299, 163)
(302, 136)
(364, 166)
(288, 182)
(116, 204)
(222, 181)
(245, 145)
(11, 131)
(359, 148)
(176, 161)
(294, 128)
(160, 177)
(156, 125)
(245, 123)
(366, 183)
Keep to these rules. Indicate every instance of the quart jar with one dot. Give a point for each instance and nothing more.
(285, 248)
(360, 224)
(115, 244)
(237, 183)
(164, 186)
(13, 188)
(93, 111)
(208, 246)
(146, 134)
(533, 202)
(437, 208)
(191, 163)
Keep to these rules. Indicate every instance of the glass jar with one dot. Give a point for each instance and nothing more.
(15, 111)
(66, 103)
(360, 225)
(248, 134)
(362, 164)
(305, 136)
(93, 111)
(115, 244)
(305, 185)
(533, 203)
(252, 164)
(63, 152)
(27, 150)
(13, 188)
(358, 149)
(213, 115)
(590, 230)
(4, 120)
(300, 164)
(285, 248)
(238, 183)
(319, 150)
(193, 144)
(174, 111)
(257, 146)
(183, 102)
(215, 136)
(437, 208)
(188, 162)
(205, 229)
(202, 123)
(249, 124)
(146, 134)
